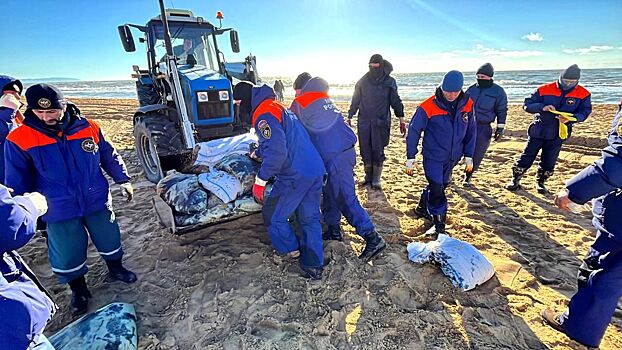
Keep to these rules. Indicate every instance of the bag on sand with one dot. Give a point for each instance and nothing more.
(465, 266)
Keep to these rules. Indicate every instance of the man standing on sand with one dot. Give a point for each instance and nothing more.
(373, 95)
(10, 116)
(600, 276)
(556, 107)
(489, 103)
(449, 132)
(60, 154)
(335, 141)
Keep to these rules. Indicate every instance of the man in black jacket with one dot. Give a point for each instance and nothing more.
(374, 93)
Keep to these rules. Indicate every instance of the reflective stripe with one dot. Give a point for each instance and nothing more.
(112, 252)
(500, 125)
(70, 270)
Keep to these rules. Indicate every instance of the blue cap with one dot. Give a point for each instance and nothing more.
(44, 96)
(452, 81)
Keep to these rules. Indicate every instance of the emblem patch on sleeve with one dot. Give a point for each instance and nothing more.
(89, 145)
(264, 129)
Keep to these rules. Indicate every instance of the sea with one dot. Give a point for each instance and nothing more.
(604, 84)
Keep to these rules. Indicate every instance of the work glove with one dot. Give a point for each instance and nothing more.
(410, 166)
(10, 100)
(258, 189)
(468, 164)
(499, 133)
(128, 191)
(252, 152)
(39, 201)
(403, 128)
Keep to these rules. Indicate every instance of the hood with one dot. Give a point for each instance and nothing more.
(387, 67)
(260, 94)
(316, 84)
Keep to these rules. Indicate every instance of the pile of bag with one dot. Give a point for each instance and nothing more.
(223, 190)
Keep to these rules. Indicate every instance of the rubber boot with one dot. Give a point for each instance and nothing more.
(368, 175)
(314, 273)
(421, 211)
(374, 244)
(439, 226)
(333, 233)
(541, 177)
(117, 272)
(517, 174)
(376, 174)
(79, 296)
(467, 179)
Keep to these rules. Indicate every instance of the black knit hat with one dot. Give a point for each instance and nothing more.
(8, 83)
(486, 69)
(573, 72)
(301, 80)
(376, 58)
(44, 96)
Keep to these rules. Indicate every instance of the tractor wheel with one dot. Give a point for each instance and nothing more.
(155, 136)
(147, 94)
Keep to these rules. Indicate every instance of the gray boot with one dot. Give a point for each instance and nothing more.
(376, 173)
(541, 177)
(517, 174)
(368, 175)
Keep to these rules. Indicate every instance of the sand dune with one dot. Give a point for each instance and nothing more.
(222, 287)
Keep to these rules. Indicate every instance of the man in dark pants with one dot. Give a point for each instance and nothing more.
(448, 126)
(374, 93)
(600, 276)
(556, 107)
(489, 103)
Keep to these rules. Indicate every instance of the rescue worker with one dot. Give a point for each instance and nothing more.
(300, 82)
(278, 90)
(335, 141)
(10, 116)
(600, 276)
(490, 103)
(60, 154)
(374, 93)
(298, 171)
(545, 132)
(449, 134)
(25, 305)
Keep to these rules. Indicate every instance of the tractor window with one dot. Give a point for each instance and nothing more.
(186, 40)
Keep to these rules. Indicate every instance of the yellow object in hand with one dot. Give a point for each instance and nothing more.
(563, 128)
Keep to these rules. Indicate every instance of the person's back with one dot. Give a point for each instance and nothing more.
(322, 119)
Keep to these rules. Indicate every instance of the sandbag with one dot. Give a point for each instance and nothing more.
(465, 266)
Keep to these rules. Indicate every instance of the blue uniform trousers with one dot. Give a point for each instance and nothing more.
(600, 286)
(303, 197)
(438, 175)
(68, 242)
(548, 158)
(340, 195)
(484, 133)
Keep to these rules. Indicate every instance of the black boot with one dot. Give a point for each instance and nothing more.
(467, 179)
(333, 233)
(517, 174)
(79, 296)
(374, 244)
(368, 175)
(439, 226)
(541, 177)
(120, 273)
(376, 173)
(314, 273)
(421, 211)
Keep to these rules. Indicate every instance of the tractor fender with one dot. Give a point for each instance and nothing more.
(147, 109)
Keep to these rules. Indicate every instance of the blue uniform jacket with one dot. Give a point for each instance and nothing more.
(546, 125)
(65, 167)
(318, 113)
(284, 144)
(6, 122)
(446, 137)
(489, 104)
(24, 305)
(602, 181)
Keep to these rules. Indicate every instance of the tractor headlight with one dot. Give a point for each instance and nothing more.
(202, 96)
(223, 95)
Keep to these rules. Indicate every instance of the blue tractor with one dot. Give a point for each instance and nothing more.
(185, 94)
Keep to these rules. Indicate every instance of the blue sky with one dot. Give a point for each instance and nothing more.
(333, 38)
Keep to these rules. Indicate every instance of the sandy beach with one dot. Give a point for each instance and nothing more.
(223, 287)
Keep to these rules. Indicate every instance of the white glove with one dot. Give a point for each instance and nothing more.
(468, 162)
(11, 101)
(38, 200)
(128, 191)
(411, 165)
